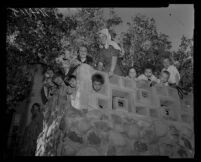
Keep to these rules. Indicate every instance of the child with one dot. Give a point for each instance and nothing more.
(164, 77)
(174, 74)
(71, 83)
(100, 66)
(132, 73)
(97, 82)
(148, 75)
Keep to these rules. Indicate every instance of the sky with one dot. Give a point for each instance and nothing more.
(175, 20)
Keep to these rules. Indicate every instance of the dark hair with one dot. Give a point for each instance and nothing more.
(98, 78)
(149, 67)
(166, 72)
(78, 51)
(68, 78)
(168, 58)
(132, 67)
(35, 104)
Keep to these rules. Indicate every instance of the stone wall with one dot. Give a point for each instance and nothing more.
(129, 118)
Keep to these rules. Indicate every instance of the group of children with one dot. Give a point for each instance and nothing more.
(168, 76)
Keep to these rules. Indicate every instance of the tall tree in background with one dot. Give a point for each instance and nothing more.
(184, 55)
(143, 44)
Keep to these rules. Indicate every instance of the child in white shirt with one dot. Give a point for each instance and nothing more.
(174, 73)
(164, 77)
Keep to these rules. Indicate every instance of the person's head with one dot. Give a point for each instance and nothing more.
(132, 73)
(71, 81)
(97, 82)
(148, 71)
(103, 36)
(83, 52)
(49, 74)
(35, 109)
(166, 62)
(164, 77)
(66, 54)
(100, 66)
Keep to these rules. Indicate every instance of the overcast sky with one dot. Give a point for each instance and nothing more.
(175, 20)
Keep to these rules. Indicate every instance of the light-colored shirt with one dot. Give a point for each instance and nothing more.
(173, 72)
(143, 77)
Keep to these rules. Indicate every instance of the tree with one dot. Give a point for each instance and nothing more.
(143, 44)
(184, 55)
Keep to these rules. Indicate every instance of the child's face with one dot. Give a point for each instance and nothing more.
(100, 66)
(83, 52)
(97, 86)
(166, 63)
(49, 74)
(164, 77)
(73, 82)
(102, 38)
(132, 73)
(148, 73)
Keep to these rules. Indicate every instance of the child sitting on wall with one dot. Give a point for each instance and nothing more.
(164, 77)
(148, 75)
(132, 73)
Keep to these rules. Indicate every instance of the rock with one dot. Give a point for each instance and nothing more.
(161, 129)
(143, 123)
(111, 151)
(187, 143)
(102, 125)
(140, 146)
(116, 119)
(187, 132)
(83, 126)
(104, 117)
(93, 138)
(182, 153)
(119, 128)
(88, 151)
(116, 138)
(68, 150)
(72, 135)
(94, 114)
(133, 131)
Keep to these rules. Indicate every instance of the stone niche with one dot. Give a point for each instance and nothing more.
(141, 110)
(168, 109)
(122, 100)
